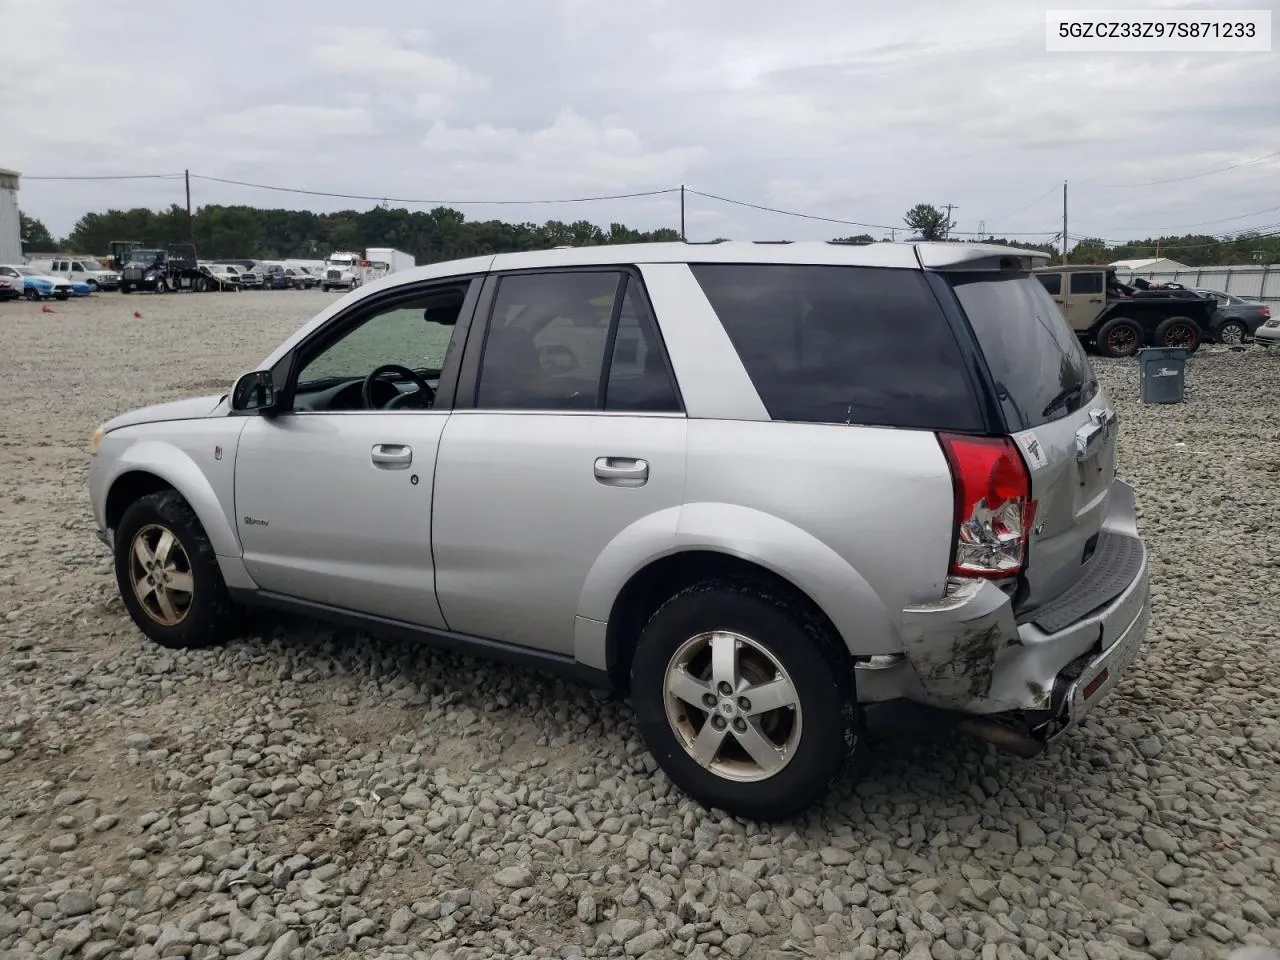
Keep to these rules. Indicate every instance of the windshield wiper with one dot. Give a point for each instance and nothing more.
(1065, 396)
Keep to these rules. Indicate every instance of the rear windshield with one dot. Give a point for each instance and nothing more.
(831, 344)
(1040, 369)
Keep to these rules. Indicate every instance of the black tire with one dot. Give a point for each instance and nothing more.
(1120, 337)
(820, 674)
(1232, 332)
(1178, 332)
(208, 615)
(31, 293)
(126, 288)
(93, 286)
(62, 295)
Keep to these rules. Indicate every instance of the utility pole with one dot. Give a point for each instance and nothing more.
(950, 207)
(186, 176)
(682, 235)
(1064, 221)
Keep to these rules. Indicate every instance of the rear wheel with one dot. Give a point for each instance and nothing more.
(1119, 337)
(31, 293)
(745, 699)
(126, 288)
(168, 574)
(1232, 332)
(1178, 332)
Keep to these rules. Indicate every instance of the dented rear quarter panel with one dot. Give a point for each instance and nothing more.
(879, 499)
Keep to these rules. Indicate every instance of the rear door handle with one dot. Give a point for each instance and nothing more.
(622, 471)
(392, 456)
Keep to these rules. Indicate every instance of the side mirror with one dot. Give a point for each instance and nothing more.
(254, 392)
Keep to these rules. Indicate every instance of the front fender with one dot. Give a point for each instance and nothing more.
(780, 547)
(176, 467)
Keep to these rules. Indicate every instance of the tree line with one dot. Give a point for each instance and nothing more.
(445, 234)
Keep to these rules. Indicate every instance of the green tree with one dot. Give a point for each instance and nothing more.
(930, 222)
(35, 235)
(856, 238)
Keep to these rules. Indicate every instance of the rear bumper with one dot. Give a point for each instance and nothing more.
(969, 655)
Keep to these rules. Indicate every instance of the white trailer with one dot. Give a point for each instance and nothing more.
(385, 260)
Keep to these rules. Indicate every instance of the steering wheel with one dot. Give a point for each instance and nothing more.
(426, 396)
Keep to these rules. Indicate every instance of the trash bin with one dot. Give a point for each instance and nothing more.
(1164, 373)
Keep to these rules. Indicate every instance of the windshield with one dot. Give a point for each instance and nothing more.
(1040, 370)
(144, 256)
(28, 272)
(92, 264)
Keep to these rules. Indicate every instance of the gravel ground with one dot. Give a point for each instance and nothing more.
(307, 792)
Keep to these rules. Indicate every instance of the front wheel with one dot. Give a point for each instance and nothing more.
(1178, 332)
(168, 575)
(745, 699)
(31, 293)
(1232, 332)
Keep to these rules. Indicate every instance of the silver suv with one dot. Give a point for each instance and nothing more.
(757, 487)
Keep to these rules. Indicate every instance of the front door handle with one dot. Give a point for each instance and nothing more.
(392, 456)
(622, 471)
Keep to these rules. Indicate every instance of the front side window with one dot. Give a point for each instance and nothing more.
(413, 334)
(76, 267)
(1085, 283)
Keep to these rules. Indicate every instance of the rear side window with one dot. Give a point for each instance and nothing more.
(1052, 282)
(1040, 369)
(831, 344)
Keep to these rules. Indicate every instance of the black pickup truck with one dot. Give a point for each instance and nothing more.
(1119, 319)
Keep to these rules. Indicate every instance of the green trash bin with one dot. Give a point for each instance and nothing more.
(1164, 373)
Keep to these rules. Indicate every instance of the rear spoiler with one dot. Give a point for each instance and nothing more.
(978, 257)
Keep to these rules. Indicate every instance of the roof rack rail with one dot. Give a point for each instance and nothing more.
(772, 241)
(705, 243)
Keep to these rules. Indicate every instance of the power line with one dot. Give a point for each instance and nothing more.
(1203, 223)
(1052, 190)
(1193, 176)
(456, 203)
(1180, 246)
(122, 176)
(847, 223)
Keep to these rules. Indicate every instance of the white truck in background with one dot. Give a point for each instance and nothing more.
(343, 270)
(385, 260)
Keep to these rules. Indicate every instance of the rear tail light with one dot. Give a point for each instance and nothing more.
(994, 511)
(1266, 311)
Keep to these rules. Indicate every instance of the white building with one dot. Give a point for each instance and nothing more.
(10, 229)
(1148, 265)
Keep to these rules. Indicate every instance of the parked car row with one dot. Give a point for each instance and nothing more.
(27, 281)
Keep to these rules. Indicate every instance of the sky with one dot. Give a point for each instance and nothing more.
(845, 109)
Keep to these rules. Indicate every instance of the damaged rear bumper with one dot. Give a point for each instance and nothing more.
(1043, 672)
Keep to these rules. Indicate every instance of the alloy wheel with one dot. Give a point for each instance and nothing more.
(732, 706)
(160, 572)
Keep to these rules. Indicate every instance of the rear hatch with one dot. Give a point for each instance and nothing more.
(1056, 412)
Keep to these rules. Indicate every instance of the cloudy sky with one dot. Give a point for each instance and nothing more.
(848, 109)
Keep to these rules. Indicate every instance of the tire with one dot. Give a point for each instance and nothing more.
(200, 618)
(1232, 332)
(126, 288)
(93, 286)
(62, 295)
(31, 293)
(1178, 332)
(324, 288)
(774, 640)
(1120, 337)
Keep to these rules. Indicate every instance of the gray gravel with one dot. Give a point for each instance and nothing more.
(310, 792)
